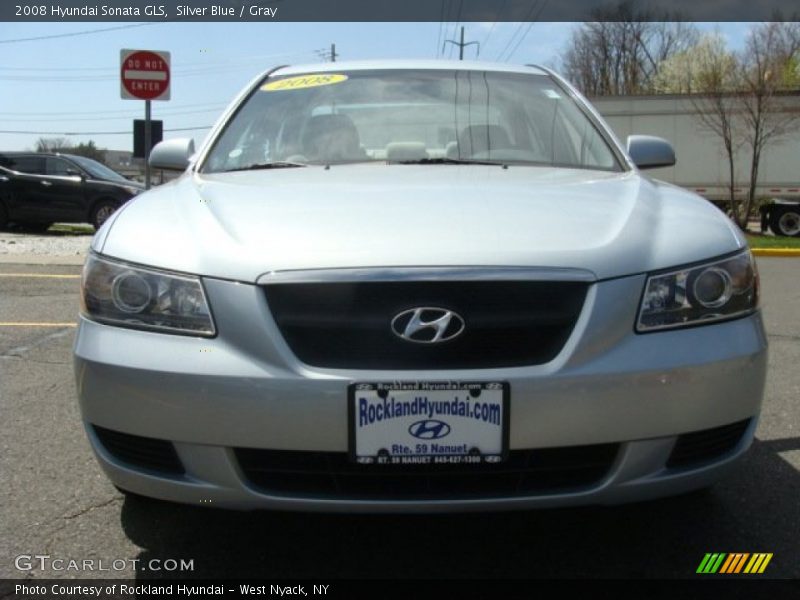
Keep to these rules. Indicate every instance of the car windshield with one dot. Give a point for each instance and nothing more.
(435, 117)
(98, 170)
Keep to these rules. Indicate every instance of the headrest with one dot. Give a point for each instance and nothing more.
(406, 151)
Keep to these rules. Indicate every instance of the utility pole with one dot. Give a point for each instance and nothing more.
(147, 143)
(325, 55)
(461, 45)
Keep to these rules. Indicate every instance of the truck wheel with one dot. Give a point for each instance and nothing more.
(786, 221)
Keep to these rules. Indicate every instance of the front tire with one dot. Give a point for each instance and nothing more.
(102, 211)
(785, 221)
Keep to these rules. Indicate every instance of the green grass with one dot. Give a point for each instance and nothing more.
(70, 228)
(772, 241)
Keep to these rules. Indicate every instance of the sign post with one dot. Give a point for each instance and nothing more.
(148, 143)
(145, 75)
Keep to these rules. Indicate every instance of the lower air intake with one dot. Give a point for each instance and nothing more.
(140, 452)
(702, 446)
(330, 474)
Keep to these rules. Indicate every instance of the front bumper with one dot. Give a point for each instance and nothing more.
(245, 389)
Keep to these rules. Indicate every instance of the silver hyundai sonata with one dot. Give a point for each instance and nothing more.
(417, 286)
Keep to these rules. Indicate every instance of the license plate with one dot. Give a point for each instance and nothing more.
(428, 423)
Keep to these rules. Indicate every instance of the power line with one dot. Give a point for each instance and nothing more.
(512, 39)
(116, 118)
(441, 26)
(255, 59)
(494, 24)
(527, 31)
(458, 15)
(58, 69)
(127, 131)
(210, 70)
(103, 112)
(524, 35)
(75, 33)
(455, 26)
(451, 4)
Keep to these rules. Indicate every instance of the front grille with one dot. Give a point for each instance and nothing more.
(141, 452)
(349, 325)
(702, 446)
(331, 474)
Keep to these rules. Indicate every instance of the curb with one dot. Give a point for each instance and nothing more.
(795, 252)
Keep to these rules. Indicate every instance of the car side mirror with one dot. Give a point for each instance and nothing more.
(75, 173)
(172, 155)
(650, 152)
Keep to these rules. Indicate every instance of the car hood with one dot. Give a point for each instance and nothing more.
(244, 224)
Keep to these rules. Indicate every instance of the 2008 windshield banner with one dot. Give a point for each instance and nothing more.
(387, 11)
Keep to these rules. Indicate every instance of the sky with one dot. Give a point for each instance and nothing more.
(54, 85)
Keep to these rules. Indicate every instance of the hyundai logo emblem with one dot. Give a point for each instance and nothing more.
(427, 325)
(429, 429)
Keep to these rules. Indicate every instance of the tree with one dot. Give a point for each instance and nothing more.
(89, 150)
(740, 97)
(767, 67)
(622, 51)
(52, 144)
(708, 73)
(706, 64)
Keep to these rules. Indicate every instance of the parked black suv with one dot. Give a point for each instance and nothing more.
(39, 189)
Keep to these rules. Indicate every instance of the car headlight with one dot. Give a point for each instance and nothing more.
(117, 293)
(696, 294)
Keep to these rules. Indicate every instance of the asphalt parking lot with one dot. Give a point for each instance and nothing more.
(55, 500)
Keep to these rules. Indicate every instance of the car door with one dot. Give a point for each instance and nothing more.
(6, 188)
(28, 197)
(66, 188)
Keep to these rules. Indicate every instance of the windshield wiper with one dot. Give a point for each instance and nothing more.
(449, 161)
(278, 164)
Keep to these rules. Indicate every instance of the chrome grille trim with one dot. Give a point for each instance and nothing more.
(476, 273)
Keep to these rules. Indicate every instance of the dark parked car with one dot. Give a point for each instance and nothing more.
(39, 189)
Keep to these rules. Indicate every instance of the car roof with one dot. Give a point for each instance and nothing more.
(18, 153)
(73, 156)
(415, 64)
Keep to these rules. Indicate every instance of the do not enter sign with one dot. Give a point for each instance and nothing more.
(144, 75)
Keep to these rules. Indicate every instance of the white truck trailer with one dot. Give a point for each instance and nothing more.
(702, 165)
